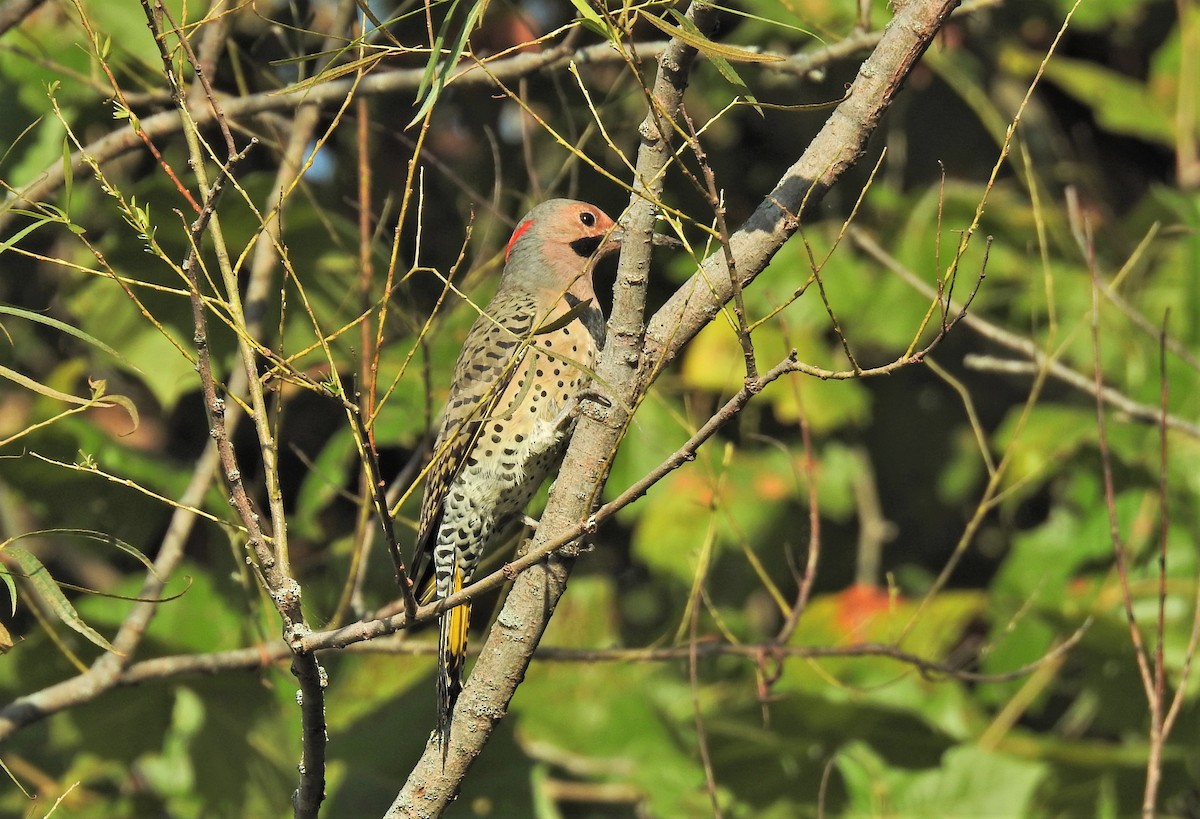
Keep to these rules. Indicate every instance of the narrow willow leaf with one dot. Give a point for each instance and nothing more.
(25, 231)
(104, 537)
(718, 57)
(363, 64)
(566, 318)
(438, 70)
(66, 328)
(45, 588)
(692, 36)
(100, 392)
(40, 388)
(12, 591)
(98, 537)
(592, 20)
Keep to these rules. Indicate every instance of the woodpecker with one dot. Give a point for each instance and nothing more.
(511, 409)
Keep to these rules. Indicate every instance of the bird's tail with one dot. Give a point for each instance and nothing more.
(452, 656)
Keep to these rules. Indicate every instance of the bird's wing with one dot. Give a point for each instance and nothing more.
(490, 357)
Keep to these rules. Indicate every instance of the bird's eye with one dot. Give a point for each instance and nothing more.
(588, 218)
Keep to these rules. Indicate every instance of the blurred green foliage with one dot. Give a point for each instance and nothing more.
(713, 552)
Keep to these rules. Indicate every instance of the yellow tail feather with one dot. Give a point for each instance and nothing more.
(452, 657)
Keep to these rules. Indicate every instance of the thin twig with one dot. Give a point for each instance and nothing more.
(14, 11)
(1037, 360)
(376, 489)
(717, 202)
(271, 559)
(710, 778)
(510, 66)
(258, 657)
(1110, 502)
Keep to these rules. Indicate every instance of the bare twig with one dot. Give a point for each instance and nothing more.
(510, 645)
(1120, 555)
(271, 559)
(1036, 360)
(710, 778)
(717, 203)
(1158, 728)
(375, 488)
(14, 11)
(334, 92)
(535, 592)
(837, 146)
(259, 657)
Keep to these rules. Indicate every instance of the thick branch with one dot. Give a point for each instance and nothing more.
(838, 145)
(14, 11)
(435, 780)
(535, 593)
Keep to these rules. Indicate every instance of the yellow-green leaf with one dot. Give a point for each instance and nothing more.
(45, 588)
(707, 47)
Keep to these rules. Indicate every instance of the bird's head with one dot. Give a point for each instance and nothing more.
(556, 243)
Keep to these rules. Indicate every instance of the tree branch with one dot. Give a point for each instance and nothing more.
(838, 145)
(625, 370)
(436, 778)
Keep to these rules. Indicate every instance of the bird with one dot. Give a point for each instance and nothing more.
(523, 368)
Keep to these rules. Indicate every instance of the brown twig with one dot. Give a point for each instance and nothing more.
(693, 663)
(375, 488)
(1036, 360)
(161, 11)
(14, 11)
(283, 589)
(530, 603)
(1120, 556)
(258, 657)
(512, 66)
(1158, 726)
(271, 559)
(717, 203)
(808, 576)
(134, 122)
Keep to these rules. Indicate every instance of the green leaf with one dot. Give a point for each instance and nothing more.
(592, 20)
(205, 619)
(438, 70)
(171, 771)
(719, 61)
(40, 220)
(106, 312)
(735, 499)
(46, 589)
(1050, 435)
(322, 484)
(66, 328)
(12, 591)
(971, 782)
(43, 389)
(714, 361)
(688, 33)
(584, 710)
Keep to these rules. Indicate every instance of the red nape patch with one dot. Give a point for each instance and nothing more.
(521, 228)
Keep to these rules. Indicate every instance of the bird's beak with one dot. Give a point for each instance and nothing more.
(613, 240)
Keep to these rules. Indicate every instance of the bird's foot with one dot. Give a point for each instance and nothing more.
(575, 406)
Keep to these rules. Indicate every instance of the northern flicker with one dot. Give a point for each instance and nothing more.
(510, 411)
